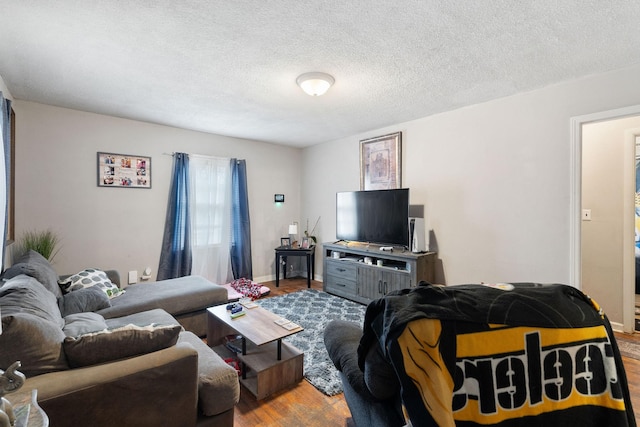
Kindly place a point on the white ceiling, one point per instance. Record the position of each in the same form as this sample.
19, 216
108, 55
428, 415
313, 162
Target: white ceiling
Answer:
229, 67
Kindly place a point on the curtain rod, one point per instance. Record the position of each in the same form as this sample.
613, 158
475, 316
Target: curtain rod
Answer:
208, 156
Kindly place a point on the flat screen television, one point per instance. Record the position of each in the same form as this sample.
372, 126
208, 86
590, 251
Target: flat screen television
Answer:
377, 216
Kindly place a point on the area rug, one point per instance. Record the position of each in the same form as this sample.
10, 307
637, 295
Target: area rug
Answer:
313, 309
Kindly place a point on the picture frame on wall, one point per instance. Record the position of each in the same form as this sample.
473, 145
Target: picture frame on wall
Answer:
124, 170
381, 162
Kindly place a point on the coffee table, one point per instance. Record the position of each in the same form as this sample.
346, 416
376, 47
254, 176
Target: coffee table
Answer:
268, 364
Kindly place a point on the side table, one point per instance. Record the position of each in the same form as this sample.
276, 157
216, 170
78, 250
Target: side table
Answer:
282, 252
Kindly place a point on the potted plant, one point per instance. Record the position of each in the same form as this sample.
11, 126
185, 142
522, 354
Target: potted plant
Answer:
44, 242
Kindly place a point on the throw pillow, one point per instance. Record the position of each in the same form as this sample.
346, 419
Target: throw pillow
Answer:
90, 277
113, 344
83, 300
35, 265
35, 342
31, 327
24, 294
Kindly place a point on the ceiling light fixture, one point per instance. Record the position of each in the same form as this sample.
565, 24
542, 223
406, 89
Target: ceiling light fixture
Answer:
315, 84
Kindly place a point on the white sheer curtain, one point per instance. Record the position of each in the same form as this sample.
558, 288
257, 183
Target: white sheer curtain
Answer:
210, 184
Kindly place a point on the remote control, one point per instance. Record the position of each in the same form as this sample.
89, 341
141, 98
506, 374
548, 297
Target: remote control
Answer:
236, 309
238, 314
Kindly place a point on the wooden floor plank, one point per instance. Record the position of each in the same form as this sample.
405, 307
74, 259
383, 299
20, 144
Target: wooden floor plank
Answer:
303, 404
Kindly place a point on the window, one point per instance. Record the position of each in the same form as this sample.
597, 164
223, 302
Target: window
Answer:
210, 184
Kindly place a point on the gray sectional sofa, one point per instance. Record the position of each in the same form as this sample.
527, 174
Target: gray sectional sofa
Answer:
136, 359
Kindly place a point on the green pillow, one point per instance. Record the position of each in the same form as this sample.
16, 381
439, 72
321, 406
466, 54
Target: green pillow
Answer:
90, 277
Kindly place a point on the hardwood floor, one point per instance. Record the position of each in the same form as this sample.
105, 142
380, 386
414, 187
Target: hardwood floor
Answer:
304, 405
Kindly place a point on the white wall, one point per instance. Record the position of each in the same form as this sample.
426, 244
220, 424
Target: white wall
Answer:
494, 178
56, 187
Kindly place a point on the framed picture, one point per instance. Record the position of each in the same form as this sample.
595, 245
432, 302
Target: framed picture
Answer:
124, 170
380, 162
285, 242
305, 243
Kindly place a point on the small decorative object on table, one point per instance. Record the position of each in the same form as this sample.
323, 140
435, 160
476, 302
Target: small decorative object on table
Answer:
10, 381
310, 234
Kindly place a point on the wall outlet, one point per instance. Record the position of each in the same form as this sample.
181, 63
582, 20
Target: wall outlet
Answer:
133, 277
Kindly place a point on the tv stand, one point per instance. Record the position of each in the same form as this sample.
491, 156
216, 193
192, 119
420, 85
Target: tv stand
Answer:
363, 272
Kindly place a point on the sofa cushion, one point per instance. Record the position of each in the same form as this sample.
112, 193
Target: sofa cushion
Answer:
31, 327
34, 341
35, 265
83, 323
218, 385
24, 294
83, 300
379, 376
113, 344
90, 277
176, 296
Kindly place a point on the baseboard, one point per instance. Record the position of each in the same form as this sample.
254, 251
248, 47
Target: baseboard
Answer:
617, 327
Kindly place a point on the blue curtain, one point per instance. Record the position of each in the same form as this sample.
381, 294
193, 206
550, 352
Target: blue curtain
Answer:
175, 257
241, 226
5, 125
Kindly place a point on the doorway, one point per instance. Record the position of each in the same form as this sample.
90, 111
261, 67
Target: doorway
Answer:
602, 202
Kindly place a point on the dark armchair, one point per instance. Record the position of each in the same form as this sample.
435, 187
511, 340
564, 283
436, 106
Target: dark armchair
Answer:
476, 355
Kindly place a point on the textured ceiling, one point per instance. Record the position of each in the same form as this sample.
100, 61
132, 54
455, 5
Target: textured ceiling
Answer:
229, 67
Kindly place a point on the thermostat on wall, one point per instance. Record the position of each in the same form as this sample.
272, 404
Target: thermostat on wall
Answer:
278, 198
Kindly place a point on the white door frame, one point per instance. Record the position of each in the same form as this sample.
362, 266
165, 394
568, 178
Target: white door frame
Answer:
575, 202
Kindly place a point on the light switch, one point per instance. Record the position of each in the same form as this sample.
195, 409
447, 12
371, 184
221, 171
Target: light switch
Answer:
133, 277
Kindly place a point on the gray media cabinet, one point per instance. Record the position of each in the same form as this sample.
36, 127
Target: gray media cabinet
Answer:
363, 272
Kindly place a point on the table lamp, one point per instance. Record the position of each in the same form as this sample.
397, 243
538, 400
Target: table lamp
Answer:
293, 232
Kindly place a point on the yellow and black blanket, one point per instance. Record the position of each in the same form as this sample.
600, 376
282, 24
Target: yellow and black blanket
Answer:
500, 355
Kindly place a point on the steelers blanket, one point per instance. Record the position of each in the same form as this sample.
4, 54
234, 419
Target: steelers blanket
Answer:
508, 355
